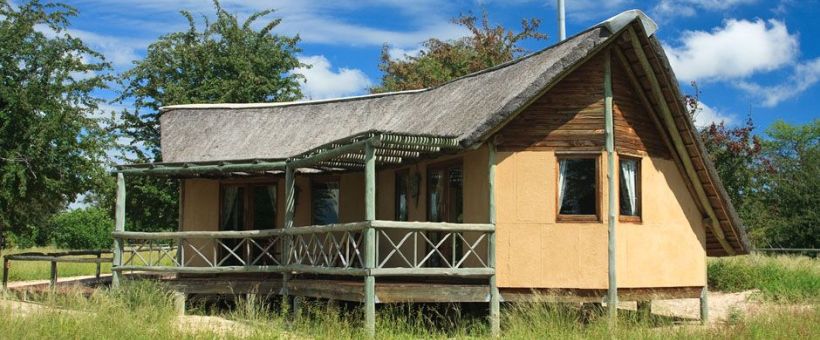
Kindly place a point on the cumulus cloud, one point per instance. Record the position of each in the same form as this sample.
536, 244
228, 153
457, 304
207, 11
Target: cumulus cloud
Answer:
673, 8
322, 81
708, 115
738, 49
804, 75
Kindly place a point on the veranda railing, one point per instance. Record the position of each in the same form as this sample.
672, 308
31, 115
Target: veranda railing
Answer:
399, 249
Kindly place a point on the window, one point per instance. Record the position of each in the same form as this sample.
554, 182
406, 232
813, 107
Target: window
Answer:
402, 192
324, 202
578, 188
445, 203
246, 206
630, 189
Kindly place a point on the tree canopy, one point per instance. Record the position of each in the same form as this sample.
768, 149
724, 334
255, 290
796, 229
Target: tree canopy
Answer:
51, 145
440, 61
227, 61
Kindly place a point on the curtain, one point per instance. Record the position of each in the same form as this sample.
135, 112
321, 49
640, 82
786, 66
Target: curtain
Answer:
272, 195
228, 207
562, 183
629, 174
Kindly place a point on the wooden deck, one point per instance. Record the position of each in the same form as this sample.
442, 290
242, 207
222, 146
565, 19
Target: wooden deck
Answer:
413, 292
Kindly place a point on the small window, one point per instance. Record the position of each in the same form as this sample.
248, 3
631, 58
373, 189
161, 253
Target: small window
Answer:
578, 189
324, 202
630, 189
402, 189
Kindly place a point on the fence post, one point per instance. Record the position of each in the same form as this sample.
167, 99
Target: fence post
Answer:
99, 264
118, 226
6, 267
53, 282
287, 239
370, 239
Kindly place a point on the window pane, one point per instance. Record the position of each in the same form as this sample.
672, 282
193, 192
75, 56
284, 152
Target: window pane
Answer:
325, 202
402, 184
629, 187
577, 187
435, 195
264, 207
455, 204
233, 208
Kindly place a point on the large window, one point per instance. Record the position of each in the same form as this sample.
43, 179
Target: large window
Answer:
445, 203
324, 202
578, 188
246, 206
630, 189
402, 192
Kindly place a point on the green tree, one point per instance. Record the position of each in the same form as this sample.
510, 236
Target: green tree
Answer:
225, 62
794, 188
88, 228
440, 61
51, 146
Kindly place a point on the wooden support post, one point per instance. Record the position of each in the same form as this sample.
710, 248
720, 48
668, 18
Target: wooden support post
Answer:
99, 265
612, 291
495, 303
370, 240
290, 205
6, 268
119, 225
645, 309
704, 305
179, 302
53, 278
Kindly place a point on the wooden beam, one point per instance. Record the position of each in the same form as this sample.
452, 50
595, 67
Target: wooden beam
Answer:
169, 170
612, 291
423, 272
370, 239
704, 305
290, 209
669, 122
119, 226
495, 300
433, 226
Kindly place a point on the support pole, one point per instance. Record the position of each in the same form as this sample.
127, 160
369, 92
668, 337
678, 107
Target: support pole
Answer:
99, 265
612, 291
704, 305
562, 25
370, 239
53, 278
495, 303
290, 204
6, 268
179, 303
119, 225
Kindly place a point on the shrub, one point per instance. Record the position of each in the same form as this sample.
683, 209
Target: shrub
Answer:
88, 228
779, 278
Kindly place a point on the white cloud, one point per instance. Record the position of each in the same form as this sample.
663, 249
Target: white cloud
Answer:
688, 8
402, 53
707, 115
803, 77
323, 82
738, 49
120, 52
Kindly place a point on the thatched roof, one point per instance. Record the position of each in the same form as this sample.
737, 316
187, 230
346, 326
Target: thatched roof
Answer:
465, 111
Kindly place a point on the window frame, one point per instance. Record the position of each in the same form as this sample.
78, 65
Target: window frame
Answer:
247, 209
638, 188
443, 165
396, 209
324, 179
566, 218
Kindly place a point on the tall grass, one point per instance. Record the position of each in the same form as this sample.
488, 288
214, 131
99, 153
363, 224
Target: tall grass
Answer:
780, 278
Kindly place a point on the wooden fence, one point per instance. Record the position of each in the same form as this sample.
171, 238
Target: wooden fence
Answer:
58, 257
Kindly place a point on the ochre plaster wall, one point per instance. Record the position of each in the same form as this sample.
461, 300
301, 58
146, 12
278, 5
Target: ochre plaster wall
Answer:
200, 207
664, 250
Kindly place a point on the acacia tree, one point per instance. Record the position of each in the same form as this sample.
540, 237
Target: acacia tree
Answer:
225, 62
51, 147
440, 61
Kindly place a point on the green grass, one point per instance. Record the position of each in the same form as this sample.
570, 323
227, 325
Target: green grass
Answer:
143, 310
779, 278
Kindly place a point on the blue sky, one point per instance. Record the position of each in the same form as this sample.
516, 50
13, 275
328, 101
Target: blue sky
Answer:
752, 56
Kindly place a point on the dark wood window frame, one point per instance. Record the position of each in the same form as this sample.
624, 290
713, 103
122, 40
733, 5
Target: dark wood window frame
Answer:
566, 218
247, 210
324, 179
638, 188
396, 205
439, 166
